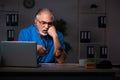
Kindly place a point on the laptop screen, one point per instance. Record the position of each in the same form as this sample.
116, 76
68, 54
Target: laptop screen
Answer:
19, 53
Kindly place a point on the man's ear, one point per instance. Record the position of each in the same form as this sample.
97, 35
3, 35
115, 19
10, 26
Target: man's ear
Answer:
35, 21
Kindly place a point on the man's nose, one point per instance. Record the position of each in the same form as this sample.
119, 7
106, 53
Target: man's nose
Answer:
46, 25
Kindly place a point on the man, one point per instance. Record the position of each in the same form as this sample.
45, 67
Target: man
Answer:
50, 42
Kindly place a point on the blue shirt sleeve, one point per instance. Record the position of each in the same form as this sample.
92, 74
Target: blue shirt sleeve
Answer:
61, 38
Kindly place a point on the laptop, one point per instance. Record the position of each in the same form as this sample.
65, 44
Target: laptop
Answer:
19, 53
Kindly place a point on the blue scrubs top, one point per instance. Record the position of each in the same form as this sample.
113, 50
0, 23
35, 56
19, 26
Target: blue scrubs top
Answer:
31, 34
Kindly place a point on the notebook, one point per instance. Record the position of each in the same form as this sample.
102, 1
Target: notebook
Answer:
19, 53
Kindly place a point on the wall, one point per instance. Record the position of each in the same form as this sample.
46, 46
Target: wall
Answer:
113, 31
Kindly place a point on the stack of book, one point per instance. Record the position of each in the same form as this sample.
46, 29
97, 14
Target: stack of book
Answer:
90, 51
12, 19
102, 21
103, 51
10, 34
85, 36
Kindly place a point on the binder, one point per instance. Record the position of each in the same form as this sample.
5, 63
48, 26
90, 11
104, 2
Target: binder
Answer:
85, 36
90, 51
102, 21
8, 19
16, 19
103, 51
12, 19
10, 34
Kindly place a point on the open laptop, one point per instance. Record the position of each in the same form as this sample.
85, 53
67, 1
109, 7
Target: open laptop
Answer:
19, 53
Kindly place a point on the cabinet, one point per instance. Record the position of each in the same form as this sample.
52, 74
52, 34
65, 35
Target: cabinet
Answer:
92, 29
9, 20
8, 24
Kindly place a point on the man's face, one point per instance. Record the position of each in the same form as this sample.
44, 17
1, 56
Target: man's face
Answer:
43, 22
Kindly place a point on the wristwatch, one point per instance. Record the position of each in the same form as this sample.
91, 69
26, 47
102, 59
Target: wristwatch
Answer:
58, 53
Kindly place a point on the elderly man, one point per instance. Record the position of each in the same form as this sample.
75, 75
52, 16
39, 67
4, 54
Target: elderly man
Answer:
50, 42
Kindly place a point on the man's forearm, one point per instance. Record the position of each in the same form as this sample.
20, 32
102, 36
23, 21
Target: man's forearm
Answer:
58, 45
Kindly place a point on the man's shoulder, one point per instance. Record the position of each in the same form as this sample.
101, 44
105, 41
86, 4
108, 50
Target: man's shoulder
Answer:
59, 33
29, 28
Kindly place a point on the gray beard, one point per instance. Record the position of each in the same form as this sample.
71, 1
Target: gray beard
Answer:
43, 34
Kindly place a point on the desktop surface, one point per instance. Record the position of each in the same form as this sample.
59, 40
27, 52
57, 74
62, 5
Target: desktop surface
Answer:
55, 67
55, 71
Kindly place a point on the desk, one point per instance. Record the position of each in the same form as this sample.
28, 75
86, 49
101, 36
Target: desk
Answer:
55, 71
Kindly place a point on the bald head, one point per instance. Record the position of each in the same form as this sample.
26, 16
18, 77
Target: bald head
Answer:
44, 11
43, 20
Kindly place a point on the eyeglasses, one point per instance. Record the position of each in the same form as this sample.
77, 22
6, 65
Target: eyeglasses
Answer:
44, 23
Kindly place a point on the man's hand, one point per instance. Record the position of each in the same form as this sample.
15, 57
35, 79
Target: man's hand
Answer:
41, 50
60, 58
52, 31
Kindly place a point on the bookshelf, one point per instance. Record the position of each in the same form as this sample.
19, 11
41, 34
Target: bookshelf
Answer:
92, 29
9, 21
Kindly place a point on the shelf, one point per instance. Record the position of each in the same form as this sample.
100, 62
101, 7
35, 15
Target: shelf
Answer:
92, 13
9, 11
92, 20
91, 43
9, 22
9, 18
85, 6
